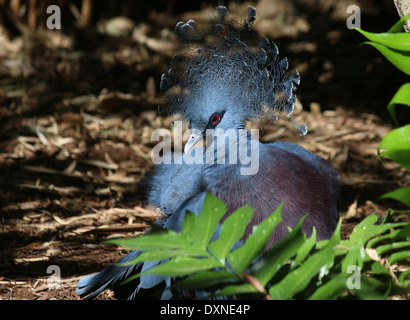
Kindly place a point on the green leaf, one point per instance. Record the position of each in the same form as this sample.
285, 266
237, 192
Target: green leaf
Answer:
398, 26
398, 41
188, 224
205, 224
372, 289
151, 256
392, 246
397, 145
390, 236
154, 241
232, 229
377, 268
362, 233
404, 233
399, 256
298, 279
331, 290
306, 248
402, 195
241, 258
157, 255
236, 289
321, 244
404, 275
266, 267
402, 96
356, 256
399, 59
206, 279
181, 266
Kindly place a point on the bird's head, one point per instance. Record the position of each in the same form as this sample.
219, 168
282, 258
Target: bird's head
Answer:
228, 80
213, 112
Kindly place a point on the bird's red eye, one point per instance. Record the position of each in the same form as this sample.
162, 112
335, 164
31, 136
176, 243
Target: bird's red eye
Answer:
215, 119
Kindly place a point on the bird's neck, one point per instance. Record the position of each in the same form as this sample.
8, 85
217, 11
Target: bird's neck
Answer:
232, 153
234, 181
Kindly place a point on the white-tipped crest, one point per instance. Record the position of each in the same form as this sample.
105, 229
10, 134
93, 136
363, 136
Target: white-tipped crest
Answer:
230, 71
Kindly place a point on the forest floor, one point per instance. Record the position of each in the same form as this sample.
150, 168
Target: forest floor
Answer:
77, 111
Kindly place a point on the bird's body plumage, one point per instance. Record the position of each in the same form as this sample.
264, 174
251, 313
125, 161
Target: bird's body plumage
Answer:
288, 173
221, 87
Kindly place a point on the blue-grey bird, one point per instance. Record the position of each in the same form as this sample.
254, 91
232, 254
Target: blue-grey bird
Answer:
215, 89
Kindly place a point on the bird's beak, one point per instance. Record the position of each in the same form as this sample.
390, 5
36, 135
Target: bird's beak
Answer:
192, 141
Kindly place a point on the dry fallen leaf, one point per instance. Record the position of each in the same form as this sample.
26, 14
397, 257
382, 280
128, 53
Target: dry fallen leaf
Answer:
372, 253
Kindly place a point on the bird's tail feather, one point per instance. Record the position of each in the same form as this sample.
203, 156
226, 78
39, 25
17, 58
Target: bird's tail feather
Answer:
111, 278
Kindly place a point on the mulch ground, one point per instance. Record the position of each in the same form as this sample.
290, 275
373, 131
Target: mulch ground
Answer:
76, 116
